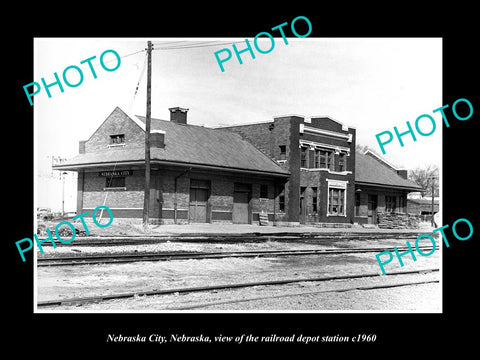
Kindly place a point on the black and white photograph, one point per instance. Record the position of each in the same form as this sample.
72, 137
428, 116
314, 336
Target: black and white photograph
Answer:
268, 187
192, 181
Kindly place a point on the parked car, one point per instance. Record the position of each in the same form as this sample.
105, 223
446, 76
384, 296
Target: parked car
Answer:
44, 213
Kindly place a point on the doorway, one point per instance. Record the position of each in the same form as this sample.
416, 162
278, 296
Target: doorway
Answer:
241, 201
199, 193
372, 209
303, 205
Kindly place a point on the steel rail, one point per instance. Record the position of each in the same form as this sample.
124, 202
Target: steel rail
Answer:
235, 301
233, 237
71, 301
125, 258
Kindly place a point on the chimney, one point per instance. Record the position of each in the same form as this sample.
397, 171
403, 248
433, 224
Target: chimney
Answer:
81, 146
157, 139
178, 115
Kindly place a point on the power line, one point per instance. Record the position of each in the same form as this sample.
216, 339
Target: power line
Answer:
190, 46
124, 56
136, 52
138, 83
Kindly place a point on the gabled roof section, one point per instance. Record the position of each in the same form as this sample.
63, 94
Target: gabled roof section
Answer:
187, 145
371, 170
119, 112
202, 145
381, 160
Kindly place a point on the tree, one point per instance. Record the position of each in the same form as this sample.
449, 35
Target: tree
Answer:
362, 148
423, 176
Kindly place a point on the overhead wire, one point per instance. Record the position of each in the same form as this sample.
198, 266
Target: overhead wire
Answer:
190, 46
133, 99
138, 83
124, 56
163, 46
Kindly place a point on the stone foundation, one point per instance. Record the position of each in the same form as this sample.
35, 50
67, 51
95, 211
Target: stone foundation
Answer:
391, 220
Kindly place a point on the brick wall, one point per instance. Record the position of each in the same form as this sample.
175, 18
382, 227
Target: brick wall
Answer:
128, 202
115, 124
124, 202
257, 134
288, 129
285, 130
268, 137
317, 178
94, 193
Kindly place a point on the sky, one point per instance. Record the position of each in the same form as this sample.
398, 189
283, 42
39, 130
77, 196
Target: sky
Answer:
371, 84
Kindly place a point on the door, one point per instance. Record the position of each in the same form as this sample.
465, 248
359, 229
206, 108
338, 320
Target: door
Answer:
198, 205
240, 207
303, 205
372, 209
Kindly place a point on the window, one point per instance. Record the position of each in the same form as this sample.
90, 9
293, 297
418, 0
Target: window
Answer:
302, 199
303, 157
283, 152
314, 200
117, 139
199, 184
316, 161
390, 203
281, 203
401, 204
264, 191
326, 159
336, 201
115, 182
342, 162
281, 200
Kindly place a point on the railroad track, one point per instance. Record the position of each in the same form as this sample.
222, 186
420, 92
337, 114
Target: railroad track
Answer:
257, 298
126, 258
100, 298
235, 238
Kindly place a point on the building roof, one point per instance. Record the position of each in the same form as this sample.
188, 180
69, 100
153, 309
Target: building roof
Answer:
424, 201
370, 171
187, 145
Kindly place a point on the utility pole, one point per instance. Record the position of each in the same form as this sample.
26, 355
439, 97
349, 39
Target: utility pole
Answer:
433, 199
146, 200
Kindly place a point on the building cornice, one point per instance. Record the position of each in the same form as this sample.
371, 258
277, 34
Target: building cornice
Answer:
315, 144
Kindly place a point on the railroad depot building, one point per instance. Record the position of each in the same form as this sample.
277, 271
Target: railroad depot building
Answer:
380, 187
291, 170
198, 174
329, 183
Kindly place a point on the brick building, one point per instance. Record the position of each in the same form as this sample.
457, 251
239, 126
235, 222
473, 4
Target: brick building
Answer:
319, 153
380, 187
292, 170
329, 183
423, 207
198, 174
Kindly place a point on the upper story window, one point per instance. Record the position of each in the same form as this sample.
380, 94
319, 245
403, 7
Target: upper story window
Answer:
342, 162
324, 159
303, 157
117, 139
283, 152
